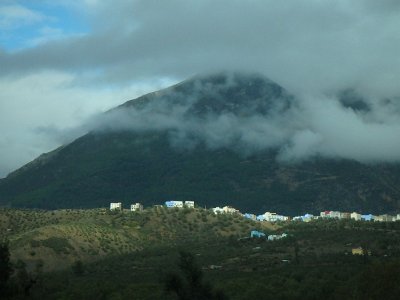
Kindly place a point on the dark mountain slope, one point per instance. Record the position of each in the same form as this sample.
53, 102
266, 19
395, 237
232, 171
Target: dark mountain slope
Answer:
130, 165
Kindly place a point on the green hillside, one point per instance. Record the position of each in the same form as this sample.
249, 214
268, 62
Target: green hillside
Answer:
58, 238
82, 254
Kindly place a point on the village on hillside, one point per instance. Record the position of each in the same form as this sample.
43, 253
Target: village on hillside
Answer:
270, 216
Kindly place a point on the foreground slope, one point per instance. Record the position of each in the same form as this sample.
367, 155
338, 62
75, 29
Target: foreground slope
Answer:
97, 254
55, 239
136, 154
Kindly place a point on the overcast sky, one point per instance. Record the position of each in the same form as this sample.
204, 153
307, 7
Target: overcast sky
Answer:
62, 61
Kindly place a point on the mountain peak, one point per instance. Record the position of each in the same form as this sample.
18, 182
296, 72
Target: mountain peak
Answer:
223, 92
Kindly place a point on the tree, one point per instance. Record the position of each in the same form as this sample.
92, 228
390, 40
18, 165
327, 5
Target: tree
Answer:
24, 280
77, 268
189, 284
296, 252
5, 266
379, 281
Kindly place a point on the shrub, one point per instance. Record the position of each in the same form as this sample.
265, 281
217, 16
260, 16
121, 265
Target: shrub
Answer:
59, 245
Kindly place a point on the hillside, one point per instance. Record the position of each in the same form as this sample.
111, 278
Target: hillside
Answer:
126, 255
58, 238
173, 144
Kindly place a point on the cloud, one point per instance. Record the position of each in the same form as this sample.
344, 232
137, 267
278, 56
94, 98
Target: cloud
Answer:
309, 127
314, 49
332, 130
14, 15
42, 111
316, 46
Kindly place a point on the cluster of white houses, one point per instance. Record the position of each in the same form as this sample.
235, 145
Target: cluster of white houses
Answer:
118, 206
139, 206
331, 214
179, 204
272, 217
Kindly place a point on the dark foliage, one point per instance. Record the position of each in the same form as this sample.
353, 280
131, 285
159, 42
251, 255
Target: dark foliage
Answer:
24, 281
78, 268
380, 281
188, 284
5, 267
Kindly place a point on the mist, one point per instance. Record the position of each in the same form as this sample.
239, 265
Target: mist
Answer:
309, 127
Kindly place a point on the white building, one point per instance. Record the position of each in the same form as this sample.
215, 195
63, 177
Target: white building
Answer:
272, 217
136, 207
115, 206
274, 237
345, 215
225, 210
230, 210
305, 218
218, 210
325, 214
330, 214
189, 204
355, 216
335, 214
173, 203
250, 216
385, 218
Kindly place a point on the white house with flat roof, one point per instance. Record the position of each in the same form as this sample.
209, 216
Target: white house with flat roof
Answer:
272, 217
330, 214
355, 216
136, 207
115, 206
189, 204
173, 203
217, 210
225, 210
230, 210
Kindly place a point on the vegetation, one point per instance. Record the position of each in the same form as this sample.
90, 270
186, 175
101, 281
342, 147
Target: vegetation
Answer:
62, 237
5, 267
179, 253
189, 285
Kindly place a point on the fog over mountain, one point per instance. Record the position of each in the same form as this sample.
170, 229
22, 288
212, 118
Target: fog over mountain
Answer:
221, 137
346, 126
314, 49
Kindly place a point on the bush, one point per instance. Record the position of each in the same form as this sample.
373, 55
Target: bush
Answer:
77, 268
59, 245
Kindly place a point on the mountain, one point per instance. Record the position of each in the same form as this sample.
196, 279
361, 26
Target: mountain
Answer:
198, 141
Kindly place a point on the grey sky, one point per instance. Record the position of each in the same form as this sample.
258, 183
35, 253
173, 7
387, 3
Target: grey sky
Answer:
312, 48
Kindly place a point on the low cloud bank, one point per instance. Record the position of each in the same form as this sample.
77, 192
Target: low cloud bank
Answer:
310, 126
